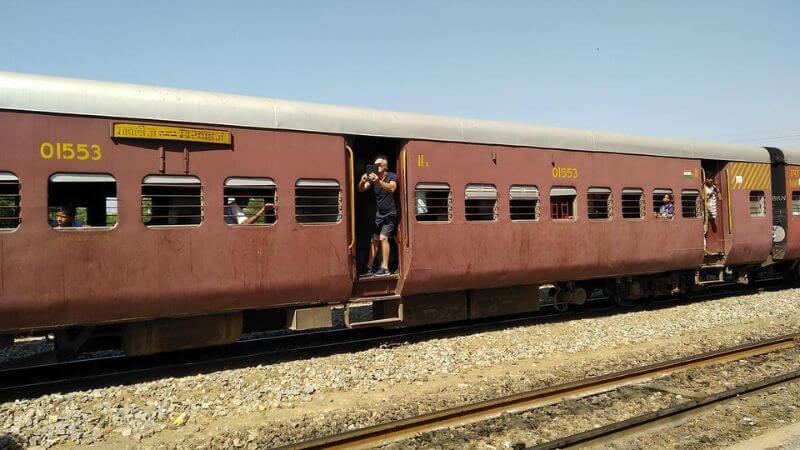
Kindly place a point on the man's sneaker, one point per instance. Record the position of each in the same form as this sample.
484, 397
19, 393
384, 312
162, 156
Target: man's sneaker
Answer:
382, 273
367, 273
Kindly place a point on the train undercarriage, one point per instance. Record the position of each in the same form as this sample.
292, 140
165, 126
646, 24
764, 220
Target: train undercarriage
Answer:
392, 311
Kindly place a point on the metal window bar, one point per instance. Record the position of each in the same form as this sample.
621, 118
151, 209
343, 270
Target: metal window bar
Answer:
758, 206
523, 203
598, 203
172, 204
9, 203
480, 202
433, 203
632, 204
658, 196
689, 204
562, 207
318, 201
257, 197
796, 203
480, 209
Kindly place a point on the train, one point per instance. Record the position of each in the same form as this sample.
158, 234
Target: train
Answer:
489, 214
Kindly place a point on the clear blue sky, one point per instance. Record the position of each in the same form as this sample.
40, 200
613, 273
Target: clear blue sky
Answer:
727, 71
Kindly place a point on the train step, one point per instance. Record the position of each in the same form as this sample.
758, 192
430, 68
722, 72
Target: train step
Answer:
710, 275
387, 310
375, 286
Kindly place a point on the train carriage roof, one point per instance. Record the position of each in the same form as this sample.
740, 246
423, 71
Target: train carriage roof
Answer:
791, 155
104, 99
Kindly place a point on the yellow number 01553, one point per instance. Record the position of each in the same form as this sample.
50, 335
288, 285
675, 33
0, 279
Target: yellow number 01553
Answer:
67, 150
565, 172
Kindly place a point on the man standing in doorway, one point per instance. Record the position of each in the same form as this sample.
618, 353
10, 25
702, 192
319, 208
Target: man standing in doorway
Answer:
383, 184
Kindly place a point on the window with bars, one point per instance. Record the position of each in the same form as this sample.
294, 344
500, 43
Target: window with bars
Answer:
480, 202
663, 203
169, 200
796, 203
524, 203
562, 203
433, 202
77, 200
598, 203
9, 201
758, 204
250, 201
317, 201
690, 203
632, 203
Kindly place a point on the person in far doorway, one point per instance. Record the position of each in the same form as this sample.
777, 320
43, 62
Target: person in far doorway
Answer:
667, 210
713, 197
234, 211
383, 184
65, 218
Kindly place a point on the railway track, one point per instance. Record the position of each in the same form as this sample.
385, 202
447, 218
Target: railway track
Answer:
462, 415
90, 373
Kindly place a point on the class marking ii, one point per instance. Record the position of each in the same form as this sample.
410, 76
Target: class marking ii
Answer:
158, 132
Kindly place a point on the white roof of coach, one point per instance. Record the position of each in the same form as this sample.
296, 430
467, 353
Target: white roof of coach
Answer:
791, 155
95, 98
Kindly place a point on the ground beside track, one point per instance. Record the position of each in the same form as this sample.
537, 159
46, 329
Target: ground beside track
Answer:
271, 405
717, 427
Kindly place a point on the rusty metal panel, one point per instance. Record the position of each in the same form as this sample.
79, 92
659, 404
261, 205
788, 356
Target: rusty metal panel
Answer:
167, 335
473, 255
435, 308
132, 273
503, 301
309, 318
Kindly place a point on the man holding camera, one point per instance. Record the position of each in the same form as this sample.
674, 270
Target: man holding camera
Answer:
383, 184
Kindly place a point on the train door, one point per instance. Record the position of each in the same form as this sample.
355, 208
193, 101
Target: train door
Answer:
368, 281
714, 208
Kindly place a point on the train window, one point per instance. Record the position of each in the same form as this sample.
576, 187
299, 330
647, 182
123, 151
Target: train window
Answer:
562, 203
523, 203
658, 203
632, 203
433, 202
317, 201
76, 200
249, 201
598, 203
480, 202
758, 204
690, 203
170, 200
796, 203
9, 201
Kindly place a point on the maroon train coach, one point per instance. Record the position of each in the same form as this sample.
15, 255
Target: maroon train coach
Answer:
488, 214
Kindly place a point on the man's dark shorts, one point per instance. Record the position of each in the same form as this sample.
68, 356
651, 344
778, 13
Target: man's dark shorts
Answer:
385, 225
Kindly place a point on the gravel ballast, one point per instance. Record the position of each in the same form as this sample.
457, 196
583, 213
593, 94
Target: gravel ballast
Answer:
289, 401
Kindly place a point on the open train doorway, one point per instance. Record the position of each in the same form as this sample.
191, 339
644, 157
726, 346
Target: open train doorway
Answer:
714, 209
369, 221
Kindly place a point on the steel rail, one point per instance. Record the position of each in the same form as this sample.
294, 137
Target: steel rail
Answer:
481, 411
640, 423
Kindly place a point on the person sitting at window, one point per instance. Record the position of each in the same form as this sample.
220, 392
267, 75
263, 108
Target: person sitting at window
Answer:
65, 218
667, 209
234, 214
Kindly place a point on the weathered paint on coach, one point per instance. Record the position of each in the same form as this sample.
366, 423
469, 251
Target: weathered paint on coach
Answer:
749, 240
464, 254
58, 277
